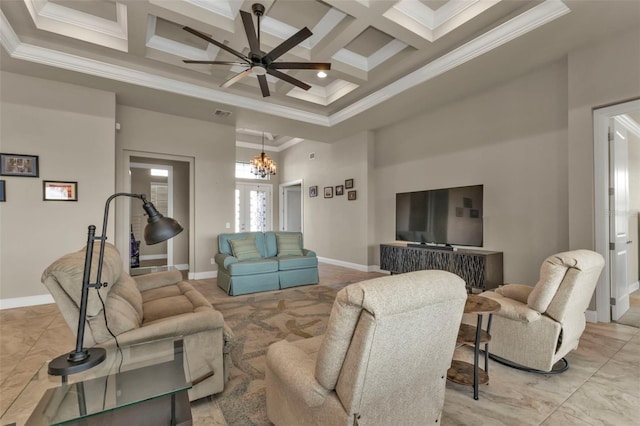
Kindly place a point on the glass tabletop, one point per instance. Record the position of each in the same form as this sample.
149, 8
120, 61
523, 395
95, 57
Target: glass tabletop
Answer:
143, 270
128, 376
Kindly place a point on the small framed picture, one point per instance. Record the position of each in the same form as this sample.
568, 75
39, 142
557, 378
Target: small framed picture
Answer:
313, 191
348, 183
474, 213
59, 191
328, 192
339, 190
351, 195
19, 165
3, 191
459, 211
467, 202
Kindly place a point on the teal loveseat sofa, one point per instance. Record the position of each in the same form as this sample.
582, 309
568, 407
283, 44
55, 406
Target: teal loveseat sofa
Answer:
249, 262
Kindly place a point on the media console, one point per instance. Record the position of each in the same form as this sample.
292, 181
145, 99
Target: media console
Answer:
480, 269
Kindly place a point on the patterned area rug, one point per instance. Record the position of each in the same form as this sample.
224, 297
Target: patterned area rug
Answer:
258, 320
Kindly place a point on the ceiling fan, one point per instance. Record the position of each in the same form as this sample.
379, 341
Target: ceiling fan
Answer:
259, 63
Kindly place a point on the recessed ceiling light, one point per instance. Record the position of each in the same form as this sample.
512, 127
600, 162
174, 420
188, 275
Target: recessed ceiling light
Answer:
322, 74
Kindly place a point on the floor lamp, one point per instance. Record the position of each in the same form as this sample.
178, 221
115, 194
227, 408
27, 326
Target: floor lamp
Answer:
158, 229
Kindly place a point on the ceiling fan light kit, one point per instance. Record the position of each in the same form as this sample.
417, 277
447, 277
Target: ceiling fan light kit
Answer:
258, 63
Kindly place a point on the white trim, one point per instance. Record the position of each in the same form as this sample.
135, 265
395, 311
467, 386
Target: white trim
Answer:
282, 214
634, 286
356, 266
516, 27
21, 302
182, 267
203, 275
153, 257
601, 199
629, 123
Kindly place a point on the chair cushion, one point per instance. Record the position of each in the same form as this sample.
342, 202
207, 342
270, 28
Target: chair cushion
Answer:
552, 273
69, 270
286, 263
245, 248
512, 309
289, 244
519, 292
172, 300
255, 266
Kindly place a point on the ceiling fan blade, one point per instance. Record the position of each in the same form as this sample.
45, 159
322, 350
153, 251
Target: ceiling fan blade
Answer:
254, 44
288, 79
318, 66
189, 61
236, 78
263, 85
287, 45
217, 43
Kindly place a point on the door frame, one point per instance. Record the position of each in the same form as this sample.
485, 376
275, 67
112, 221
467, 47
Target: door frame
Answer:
123, 210
259, 184
601, 118
282, 186
149, 166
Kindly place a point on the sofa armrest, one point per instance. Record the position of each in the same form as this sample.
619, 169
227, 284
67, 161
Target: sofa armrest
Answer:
296, 368
179, 325
512, 309
224, 260
157, 279
308, 253
519, 292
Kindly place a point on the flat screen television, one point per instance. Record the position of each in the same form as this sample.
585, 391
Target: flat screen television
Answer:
449, 216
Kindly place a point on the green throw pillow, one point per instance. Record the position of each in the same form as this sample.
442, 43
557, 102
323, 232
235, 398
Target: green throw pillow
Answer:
289, 245
245, 248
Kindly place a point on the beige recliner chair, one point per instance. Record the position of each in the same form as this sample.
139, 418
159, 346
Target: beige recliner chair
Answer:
537, 326
141, 309
383, 359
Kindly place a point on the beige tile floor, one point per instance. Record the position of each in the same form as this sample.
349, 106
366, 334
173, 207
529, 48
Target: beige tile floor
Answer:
602, 386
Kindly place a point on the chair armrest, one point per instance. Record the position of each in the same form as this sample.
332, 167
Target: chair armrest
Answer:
224, 260
179, 325
157, 279
308, 253
296, 368
512, 309
519, 292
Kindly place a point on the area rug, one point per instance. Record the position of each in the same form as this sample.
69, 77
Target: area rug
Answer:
257, 321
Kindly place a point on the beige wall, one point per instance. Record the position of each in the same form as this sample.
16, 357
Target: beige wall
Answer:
212, 148
335, 228
71, 129
512, 140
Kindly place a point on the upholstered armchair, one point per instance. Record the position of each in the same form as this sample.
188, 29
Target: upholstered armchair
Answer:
144, 308
537, 326
382, 360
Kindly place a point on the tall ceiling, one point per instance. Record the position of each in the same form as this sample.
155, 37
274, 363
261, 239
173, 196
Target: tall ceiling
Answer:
389, 58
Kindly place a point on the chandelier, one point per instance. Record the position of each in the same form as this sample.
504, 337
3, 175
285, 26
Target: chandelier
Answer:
262, 165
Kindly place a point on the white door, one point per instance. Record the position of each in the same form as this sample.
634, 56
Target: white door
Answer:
253, 207
292, 208
619, 217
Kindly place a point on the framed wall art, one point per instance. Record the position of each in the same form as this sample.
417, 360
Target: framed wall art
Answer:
351, 195
313, 191
348, 183
328, 192
339, 190
19, 165
59, 191
3, 191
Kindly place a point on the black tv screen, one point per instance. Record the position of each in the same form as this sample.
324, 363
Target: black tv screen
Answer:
441, 216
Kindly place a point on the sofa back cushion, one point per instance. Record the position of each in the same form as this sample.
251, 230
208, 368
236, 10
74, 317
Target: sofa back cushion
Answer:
271, 241
245, 248
289, 244
224, 245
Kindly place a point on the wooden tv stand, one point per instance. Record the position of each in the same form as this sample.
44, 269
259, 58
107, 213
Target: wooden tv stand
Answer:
480, 269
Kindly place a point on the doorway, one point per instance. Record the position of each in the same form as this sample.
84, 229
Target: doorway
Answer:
167, 182
291, 206
617, 202
254, 207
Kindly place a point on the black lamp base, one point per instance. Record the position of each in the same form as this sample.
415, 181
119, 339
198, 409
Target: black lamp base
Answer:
63, 366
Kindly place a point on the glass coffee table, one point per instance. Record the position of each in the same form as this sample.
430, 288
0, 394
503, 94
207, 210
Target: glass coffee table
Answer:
142, 384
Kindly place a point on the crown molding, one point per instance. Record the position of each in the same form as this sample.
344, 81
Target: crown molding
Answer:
510, 30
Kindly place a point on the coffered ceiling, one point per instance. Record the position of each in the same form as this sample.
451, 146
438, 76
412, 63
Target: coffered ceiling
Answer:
382, 52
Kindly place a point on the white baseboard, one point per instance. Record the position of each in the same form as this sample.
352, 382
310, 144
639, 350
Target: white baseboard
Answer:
591, 316
356, 266
634, 286
203, 275
21, 302
153, 256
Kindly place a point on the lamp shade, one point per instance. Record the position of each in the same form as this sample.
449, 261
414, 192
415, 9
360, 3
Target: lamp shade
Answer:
159, 228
